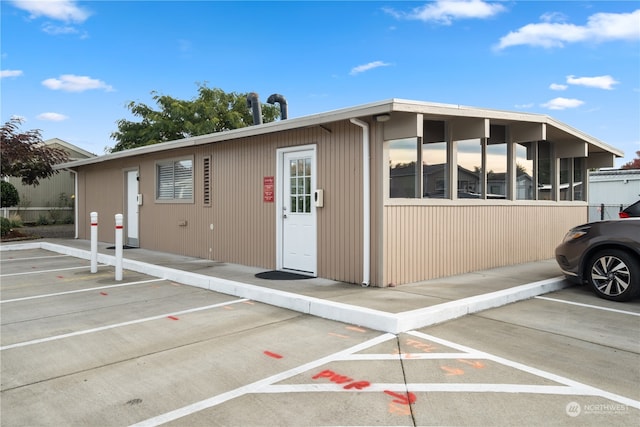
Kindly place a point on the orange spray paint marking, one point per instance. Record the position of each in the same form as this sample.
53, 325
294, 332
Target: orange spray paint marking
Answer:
226, 307
452, 371
400, 410
476, 364
104, 294
401, 398
172, 317
274, 355
338, 335
248, 302
356, 329
60, 277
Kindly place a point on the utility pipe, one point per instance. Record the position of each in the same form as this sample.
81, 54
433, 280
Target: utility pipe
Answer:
366, 203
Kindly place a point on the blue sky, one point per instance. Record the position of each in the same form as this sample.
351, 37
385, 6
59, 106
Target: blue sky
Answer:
69, 68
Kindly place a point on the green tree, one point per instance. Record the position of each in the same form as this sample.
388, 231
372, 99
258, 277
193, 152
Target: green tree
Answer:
212, 111
8, 195
24, 155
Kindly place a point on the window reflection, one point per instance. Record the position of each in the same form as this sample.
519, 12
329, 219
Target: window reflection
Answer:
544, 171
470, 169
403, 158
578, 178
565, 179
435, 173
497, 170
524, 171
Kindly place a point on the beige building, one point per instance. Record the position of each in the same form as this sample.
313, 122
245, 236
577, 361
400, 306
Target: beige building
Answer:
51, 201
390, 192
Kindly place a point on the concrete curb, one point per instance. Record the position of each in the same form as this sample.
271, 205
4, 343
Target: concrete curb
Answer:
346, 313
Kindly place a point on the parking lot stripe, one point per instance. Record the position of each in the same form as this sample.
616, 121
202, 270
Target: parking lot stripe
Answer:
35, 257
79, 290
259, 385
589, 306
117, 325
575, 385
41, 271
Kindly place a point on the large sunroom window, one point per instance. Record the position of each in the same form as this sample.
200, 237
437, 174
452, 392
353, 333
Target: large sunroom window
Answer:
420, 169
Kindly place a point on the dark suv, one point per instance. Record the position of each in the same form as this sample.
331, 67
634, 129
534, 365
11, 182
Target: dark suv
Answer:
604, 254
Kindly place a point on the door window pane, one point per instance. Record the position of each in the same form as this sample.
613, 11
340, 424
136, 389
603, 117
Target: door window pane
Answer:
300, 185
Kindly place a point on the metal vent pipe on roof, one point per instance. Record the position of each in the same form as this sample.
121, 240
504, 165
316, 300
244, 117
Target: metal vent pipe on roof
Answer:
276, 97
256, 109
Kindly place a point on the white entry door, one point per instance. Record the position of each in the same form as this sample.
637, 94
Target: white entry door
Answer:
132, 209
298, 227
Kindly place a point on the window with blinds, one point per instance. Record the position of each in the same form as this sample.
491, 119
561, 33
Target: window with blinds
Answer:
174, 179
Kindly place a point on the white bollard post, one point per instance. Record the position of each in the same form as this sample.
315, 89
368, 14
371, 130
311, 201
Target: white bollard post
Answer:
118, 247
94, 242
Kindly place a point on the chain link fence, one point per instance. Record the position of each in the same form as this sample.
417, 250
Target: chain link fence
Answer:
601, 212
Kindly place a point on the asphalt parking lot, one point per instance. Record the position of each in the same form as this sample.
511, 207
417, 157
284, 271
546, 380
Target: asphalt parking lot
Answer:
80, 349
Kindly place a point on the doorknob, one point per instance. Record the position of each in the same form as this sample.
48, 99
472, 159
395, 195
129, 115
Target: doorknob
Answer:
284, 215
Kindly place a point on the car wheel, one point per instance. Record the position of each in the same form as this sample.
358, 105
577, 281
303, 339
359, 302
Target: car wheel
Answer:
614, 275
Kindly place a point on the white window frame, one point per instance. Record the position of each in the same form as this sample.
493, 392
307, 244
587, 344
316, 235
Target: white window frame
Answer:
172, 162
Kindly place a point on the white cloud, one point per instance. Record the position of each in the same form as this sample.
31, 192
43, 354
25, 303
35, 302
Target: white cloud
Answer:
73, 83
599, 82
556, 86
600, 27
57, 29
446, 11
562, 103
59, 10
366, 67
52, 117
10, 73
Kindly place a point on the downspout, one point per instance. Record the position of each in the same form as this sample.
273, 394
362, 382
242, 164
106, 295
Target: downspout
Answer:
366, 204
75, 200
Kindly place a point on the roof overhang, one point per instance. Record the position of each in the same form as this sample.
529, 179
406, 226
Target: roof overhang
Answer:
550, 128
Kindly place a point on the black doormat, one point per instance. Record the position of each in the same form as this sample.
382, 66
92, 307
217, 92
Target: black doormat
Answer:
123, 247
281, 275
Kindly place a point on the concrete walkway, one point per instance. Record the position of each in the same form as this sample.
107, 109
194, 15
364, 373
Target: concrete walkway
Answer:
393, 310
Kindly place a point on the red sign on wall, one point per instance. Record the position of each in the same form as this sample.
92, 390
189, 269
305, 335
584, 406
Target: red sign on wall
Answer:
267, 189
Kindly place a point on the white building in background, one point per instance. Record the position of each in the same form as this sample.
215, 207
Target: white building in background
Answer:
612, 190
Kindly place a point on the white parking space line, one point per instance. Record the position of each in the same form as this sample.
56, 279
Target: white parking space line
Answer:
576, 387
26, 273
35, 257
631, 313
259, 385
428, 387
118, 325
80, 290
413, 356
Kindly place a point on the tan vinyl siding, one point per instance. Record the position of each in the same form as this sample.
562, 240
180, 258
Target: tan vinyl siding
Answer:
244, 226
425, 242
